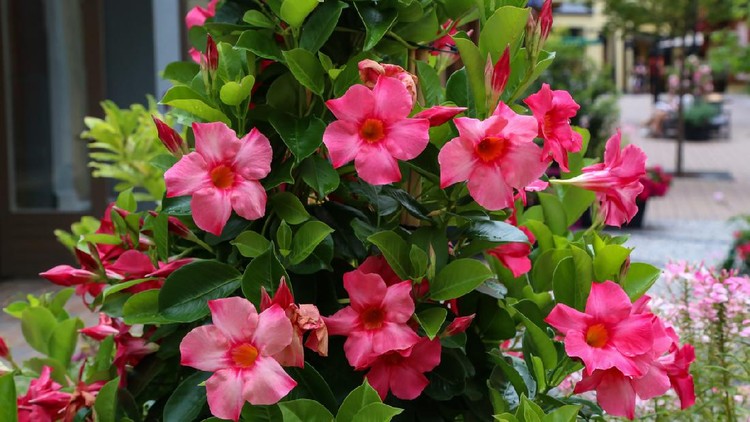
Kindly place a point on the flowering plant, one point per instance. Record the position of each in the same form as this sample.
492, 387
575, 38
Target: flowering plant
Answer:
656, 183
343, 234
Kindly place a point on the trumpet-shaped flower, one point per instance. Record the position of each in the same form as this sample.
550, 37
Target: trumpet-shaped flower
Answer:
515, 255
438, 115
553, 110
374, 130
616, 181
494, 155
43, 402
222, 175
402, 371
375, 323
238, 348
607, 335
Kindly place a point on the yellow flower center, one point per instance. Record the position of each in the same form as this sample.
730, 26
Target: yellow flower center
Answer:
596, 336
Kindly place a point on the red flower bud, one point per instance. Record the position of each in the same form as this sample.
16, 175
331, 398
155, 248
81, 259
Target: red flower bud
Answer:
170, 138
459, 325
4, 351
545, 18
212, 54
501, 72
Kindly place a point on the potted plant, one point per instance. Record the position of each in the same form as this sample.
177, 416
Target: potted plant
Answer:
656, 182
698, 120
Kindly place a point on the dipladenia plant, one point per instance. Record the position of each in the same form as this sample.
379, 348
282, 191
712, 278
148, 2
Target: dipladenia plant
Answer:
358, 225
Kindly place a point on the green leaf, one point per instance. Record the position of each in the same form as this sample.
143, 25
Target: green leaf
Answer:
257, 19
38, 324
105, 406
251, 244
457, 89
306, 68
186, 292
496, 231
289, 208
263, 271
320, 175
542, 234
8, 406
301, 136
304, 410
608, 262
506, 26
160, 228
431, 320
321, 24
377, 21
314, 385
376, 412
294, 12
64, 339
423, 30
407, 201
566, 413
181, 72
571, 280
187, 99
143, 308
429, 83
126, 200
356, 400
187, 400
511, 374
640, 278
474, 64
459, 278
543, 347
307, 239
529, 411
284, 238
554, 214
419, 262
258, 43
395, 250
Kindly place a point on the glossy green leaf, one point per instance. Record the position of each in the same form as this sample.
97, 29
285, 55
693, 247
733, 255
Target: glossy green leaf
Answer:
294, 12
186, 292
639, 279
105, 406
608, 262
457, 89
181, 72
251, 244
571, 280
506, 26
258, 43
429, 84
459, 278
419, 262
126, 200
431, 320
474, 64
554, 214
543, 346
377, 21
510, 373
321, 24
565, 413
187, 99
542, 234
306, 68
143, 308
395, 250
421, 31
8, 407
289, 208
304, 410
38, 324
284, 238
320, 175
376, 412
575, 202
187, 400
257, 19
263, 271
64, 339
356, 400
306, 239
314, 385
302, 136
496, 231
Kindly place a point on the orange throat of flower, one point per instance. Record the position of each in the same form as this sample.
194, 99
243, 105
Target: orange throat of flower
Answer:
597, 336
372, 318
372, 131
244, 355
491, 148
222, 177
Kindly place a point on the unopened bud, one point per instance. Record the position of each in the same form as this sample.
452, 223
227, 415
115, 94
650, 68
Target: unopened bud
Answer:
170, 138
212, 54
545, 19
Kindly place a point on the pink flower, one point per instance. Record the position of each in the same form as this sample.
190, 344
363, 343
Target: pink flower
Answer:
375, 323
304, 318
375, 131
238, 348
515, 255
197, 16
402, 371
445, 44
607, 335
370, 71
677, 366
222, 175
553, 110
44, 401
84, 396
494, 156
438, 115
104, 329
377, 264
616, 181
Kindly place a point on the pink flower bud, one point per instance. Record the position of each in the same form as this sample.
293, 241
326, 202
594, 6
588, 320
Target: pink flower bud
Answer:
459, 325
438, 115
545, 18
212, 54
4, 351
170, 138
501, 72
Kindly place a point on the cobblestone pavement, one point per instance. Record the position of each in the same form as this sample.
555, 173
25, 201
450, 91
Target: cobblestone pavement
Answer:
689, 223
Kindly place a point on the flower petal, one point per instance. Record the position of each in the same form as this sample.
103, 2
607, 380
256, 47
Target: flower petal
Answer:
358, 349
457, 160
343, 142
216, 142
266, 382
608, 302
274, 331
407, 383
249, 199
236, 317
379, 378
392, 336
634, 335
211, 209
342, 321
652, 384
398, 303
392, 99
357, 102
616, 395
225, 395
187, 176
365, 290
376, 166
407, 138
523, 164
253, 160
425, 355
205, 348
564, 319
488, 187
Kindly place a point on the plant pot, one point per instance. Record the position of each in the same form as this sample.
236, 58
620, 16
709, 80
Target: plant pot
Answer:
697, 132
